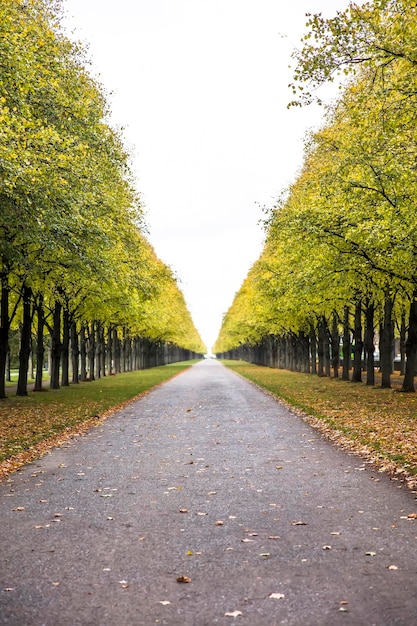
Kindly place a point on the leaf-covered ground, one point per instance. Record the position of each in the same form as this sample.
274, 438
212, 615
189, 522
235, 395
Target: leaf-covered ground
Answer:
31, 425
378, 423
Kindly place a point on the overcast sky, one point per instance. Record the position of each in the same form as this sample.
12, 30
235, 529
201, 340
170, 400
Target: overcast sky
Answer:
200, 87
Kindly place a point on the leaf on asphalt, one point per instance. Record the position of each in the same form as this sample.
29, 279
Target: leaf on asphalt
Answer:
278, 467
247, 540
233, 614
265, 555
190, 553
335, 533
274, 537
298, 523
9, 588
412, 516
183, 579
124, 584
19, 508
183, 511
370, 553
201, 513
219, 522
164, 602
106, 495
277, 596
212, 493
393, 567
327, 547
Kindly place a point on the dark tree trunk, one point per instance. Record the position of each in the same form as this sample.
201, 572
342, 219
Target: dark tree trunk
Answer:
65, 348
83, 355
40, 350
403, 339
25, 337
358, 349
347, 346
91, 351
411, 348
313, 350
56, 347
4, 332
75, 353
369, 343
386, 342
335, 346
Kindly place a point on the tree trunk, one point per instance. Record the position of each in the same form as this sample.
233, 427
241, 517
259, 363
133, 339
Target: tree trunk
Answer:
386, 343
56, 347
25, 336
403, 339
83, 355
91, 350
75, 353
369, 343
4, 332
40, 350
313, 350
411, 348
65, 348
357, 337
347, 346
335, 346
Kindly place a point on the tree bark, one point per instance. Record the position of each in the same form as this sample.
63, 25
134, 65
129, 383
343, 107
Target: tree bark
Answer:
4, 331
411, 348
56, 347
83, 355
75, 353
369, 343
25, 337
40, 350
65, 348
335, 340
386, 343
347, 346
358, 349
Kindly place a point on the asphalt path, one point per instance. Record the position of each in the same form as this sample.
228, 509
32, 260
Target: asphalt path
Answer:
206, 479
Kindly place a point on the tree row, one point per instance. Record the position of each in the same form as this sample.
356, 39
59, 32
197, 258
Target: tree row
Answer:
74, 263
335, 288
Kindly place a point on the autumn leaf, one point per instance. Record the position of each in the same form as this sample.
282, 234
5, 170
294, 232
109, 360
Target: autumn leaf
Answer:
233, 614
183, 579
277, 596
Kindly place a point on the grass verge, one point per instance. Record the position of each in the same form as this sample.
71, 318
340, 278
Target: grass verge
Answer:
31, 425
379, 424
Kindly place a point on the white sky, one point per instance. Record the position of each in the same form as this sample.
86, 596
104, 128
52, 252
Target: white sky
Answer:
200, 87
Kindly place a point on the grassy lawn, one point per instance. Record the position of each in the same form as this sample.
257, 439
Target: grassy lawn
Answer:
379, 423
31, 425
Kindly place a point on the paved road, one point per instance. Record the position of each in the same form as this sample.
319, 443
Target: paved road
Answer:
208, 478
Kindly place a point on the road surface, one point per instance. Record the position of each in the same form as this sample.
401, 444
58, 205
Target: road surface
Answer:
209, 480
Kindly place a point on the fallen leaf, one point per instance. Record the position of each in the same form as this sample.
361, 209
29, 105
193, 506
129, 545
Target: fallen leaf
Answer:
393, 567
200, 513
219, 522
298, 524
164, 602
327, 547
212, 493
19, 508
183, 579
233, 614
274, 537
183, 510
412, 516
370, 553
277, 596
190, 553
247, 540
265, 555
278, 467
